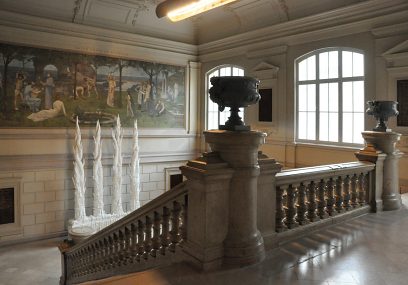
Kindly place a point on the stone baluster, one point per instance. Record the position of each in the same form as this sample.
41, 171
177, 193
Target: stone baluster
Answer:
140, 239
330, 197
135, 249
128, 245
184, 215
165, 235
301, 205
311, 203
321, 202
362, 187
346, 192
290, 209
156, 234
148, 237
116, 246
175, 226
280, 212
121, 247
353, 199
339, 195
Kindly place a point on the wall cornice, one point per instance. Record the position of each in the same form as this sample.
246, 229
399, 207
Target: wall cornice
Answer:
353, 19
47, 33
10, 163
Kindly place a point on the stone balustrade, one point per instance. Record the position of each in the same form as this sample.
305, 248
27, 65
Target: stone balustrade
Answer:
138, 240
306, 195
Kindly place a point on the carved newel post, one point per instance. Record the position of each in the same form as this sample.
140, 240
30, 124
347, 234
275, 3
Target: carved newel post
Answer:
384, 140
238, 146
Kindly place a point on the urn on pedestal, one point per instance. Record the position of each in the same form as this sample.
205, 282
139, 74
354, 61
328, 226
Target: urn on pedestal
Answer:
382, 110
234, 92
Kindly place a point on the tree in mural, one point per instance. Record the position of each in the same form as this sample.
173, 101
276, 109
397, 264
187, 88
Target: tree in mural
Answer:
153, 70
8, 54
121, 65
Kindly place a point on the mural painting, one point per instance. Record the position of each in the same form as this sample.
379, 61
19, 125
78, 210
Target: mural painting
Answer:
48, 88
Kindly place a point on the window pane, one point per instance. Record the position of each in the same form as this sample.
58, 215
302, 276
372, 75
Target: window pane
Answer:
333, 97
311, 97
235, 71
358, 64
333, 64
347, 97
224, 116
324, 65
358, 127
311, 126
302, 66
302, 125
347, 63
324, 126
302, 98
347, 127
358, 96
311, 68
324, 97
333, 127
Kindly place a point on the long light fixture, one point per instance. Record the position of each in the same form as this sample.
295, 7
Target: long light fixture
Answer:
177, 10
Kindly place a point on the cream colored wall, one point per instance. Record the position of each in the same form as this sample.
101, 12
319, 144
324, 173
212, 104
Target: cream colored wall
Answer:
282, 50
41, 159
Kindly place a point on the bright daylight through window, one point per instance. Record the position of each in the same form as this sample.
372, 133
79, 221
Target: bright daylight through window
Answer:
214, 117
330, 96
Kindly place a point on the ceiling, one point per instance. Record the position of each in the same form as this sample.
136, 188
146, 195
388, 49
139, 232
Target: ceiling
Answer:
138, 16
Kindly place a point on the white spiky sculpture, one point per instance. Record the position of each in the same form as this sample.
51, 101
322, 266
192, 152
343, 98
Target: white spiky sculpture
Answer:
135, 171
117, 136
98, 174
79, 176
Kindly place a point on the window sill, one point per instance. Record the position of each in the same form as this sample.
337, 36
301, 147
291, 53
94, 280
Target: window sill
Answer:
351, 148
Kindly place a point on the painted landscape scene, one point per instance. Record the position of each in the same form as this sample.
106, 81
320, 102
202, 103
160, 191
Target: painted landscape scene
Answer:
48, 88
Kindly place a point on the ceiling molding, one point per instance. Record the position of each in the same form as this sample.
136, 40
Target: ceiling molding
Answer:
390, 30
363, 16
24, 29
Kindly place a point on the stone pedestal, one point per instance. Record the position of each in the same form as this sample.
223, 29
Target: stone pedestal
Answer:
385, 142
244, 243
208, 180
266, 211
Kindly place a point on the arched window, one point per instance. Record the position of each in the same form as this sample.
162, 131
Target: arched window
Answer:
330, 96
214, 117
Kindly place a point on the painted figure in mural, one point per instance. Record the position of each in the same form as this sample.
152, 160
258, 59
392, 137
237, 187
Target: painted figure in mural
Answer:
18, 91
144, 95
129, 107
49, 91
159, 108
91, 85
111, 91
31, 99
176, 91
58, 108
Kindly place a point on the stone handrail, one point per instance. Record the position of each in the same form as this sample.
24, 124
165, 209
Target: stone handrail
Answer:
136, 242
305, 195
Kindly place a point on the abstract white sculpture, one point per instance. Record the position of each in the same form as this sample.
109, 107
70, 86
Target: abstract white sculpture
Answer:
98, 174
83, 226
117, 136
79, 176
135, 171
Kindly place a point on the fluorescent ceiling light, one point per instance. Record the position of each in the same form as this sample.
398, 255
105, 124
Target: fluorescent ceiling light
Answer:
178, 10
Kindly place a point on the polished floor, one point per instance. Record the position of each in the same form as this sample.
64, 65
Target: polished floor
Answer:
369, 250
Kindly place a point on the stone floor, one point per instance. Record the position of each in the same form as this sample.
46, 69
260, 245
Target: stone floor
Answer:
369, 250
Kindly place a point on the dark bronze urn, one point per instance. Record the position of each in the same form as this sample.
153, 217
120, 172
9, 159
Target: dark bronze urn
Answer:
382, 110
234, 92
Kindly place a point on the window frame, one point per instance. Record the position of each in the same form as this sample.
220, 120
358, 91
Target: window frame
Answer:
207, 89
340, 80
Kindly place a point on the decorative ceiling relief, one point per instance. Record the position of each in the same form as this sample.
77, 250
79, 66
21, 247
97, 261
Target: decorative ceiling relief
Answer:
77, 7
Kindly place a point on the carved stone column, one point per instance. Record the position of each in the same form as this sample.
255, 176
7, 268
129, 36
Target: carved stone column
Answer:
208, 181
244, 243
385, 142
